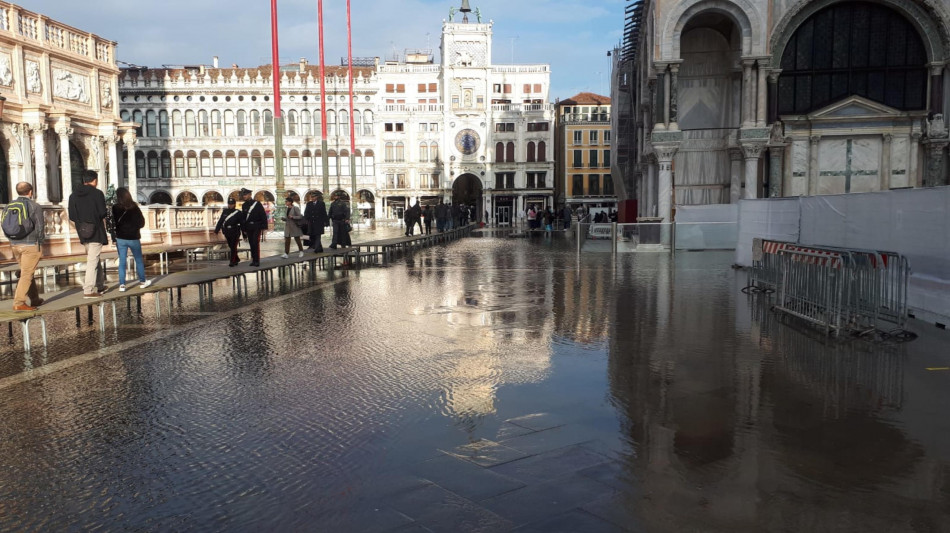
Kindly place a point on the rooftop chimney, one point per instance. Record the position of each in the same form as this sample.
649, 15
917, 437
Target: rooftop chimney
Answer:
303, 64
214, 62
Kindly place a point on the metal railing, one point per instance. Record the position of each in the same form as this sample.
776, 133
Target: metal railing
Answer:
834, 288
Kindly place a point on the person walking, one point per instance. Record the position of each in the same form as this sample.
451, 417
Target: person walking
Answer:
292, 227
27, 250
87, 210
129, 222
231, 223
317, 219
427, 219
411, 217
255, 222
340, 218
566, 217
441, 215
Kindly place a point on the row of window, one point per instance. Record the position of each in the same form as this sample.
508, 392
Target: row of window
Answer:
593, 136
422, 88
505, 153
593, 159
533, 180
593, 185
501, 127
425, 181
242, 123
396, 152
230, 164
527, 88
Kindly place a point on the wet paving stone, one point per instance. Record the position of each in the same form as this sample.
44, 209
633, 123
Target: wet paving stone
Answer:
551, 465
573, 521
465, 478
540, 501
487, 453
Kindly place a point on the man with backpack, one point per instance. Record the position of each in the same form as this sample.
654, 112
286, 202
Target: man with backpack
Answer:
87, 210
23, 224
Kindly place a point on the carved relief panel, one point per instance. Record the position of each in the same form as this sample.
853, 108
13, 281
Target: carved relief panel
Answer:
6, 69
69, 85
33, 83
468, 54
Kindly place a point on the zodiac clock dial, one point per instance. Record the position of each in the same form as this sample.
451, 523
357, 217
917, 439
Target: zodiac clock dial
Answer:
467, 141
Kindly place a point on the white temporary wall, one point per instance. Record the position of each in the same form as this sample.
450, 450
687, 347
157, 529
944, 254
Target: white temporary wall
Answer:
912, 222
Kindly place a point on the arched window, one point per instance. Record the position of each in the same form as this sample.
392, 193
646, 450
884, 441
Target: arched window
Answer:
205, 164
344, 123
294, 163
230, 162
190, 124
357, 123
332, 160
331, 123
306, 158
500, 152
358, 156
256, 165
369, 163
216, 123
150, 124
530, 152
255, 123
163, 123
268, 163
367, 122
179, 165
510, 152
306, 127
244, 163
291, 123
217, 159
137, 118
140, 164
203, 128
423, 152
268, 122
542, 151
229, 123
344, 162
176, 123
153, 165
389, 154
192, 164
433, 151
317, 124
400, 151
124, 115
241, 123
166, 164
853, 48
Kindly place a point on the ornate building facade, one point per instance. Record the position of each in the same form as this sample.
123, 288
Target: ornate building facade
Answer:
463, 130
60, 115
583, 152
717, 100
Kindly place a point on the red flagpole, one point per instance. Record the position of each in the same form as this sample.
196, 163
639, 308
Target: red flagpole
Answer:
349, 63
323, 107
278, 120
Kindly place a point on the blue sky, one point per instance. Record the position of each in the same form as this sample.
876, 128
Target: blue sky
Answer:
571, 35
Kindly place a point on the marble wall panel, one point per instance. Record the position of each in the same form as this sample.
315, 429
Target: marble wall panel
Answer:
831, 184
866, 183
798, 184
900, 153
832, 155
866, 154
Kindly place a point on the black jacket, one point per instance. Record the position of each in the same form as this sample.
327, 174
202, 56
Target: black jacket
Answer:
441, 212
339, 210
230, 224
128, 222
316, 213
255, 218
88, 204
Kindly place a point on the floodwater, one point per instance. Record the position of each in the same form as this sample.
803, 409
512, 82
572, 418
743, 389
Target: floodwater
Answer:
642, 393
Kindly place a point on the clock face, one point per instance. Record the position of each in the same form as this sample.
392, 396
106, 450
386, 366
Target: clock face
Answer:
467, 141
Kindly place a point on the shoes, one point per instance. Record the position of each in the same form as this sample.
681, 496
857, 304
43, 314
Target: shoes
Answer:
103, 289
318, 250
146, 283
92, 295
24, 307
300, 253
233, 263
121, 288
38, 302
255, 264
333, 247
283, 256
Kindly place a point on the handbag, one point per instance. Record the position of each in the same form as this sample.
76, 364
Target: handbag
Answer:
347, 227
86, 230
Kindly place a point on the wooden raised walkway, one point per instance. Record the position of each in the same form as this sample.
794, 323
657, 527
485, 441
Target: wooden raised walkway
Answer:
72, 299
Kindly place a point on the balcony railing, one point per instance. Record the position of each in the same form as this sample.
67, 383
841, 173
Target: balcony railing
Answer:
521, 108
33, 27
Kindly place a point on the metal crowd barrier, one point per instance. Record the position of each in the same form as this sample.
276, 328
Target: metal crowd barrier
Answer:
834, 288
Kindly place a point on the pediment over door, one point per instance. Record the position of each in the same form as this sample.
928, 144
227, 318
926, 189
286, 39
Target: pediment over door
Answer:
856, 108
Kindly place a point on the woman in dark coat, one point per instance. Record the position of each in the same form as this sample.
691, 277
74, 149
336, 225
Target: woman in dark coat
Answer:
128, 236
317, 220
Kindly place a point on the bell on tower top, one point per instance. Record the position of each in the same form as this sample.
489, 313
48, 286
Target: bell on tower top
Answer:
465, 10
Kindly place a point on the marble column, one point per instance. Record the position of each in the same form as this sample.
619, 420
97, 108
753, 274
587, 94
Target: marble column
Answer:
886, 161
762, 89
773, 95
129, 140
674, 96
752, 153
915, 177
936, 88
650, 207
15, 165
813, 146
662, 110
111, 141
664, 198
98, 161
747, 93
65, 162
735, 182
39, 162
776, 170
934, 173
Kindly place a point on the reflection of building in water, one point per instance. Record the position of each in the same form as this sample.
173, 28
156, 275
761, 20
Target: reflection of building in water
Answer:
582, 302
737, 428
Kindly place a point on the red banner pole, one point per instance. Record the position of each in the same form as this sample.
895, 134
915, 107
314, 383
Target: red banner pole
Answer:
349, 62
323, 108
278, 121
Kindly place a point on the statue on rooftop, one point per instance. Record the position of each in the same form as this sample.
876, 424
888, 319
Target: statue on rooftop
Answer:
478, 14
452, 14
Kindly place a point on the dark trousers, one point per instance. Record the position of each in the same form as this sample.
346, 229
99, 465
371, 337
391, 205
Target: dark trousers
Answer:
428, 223
338, 234
254, 241
233, 240
316, 234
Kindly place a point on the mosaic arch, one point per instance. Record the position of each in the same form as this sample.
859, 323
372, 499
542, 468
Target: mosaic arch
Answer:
931, 25
212, 198
742, 12
311, 194
264, 196
160, 197
293, 195
186, 198
340, 193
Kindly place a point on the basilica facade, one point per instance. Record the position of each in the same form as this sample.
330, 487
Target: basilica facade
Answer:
718, 100
461, 130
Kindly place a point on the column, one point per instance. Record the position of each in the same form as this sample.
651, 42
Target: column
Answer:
735, 182
886, 161
650, 210
66, 175
666, 100
762, 89
674, 81
111, 141
914, 175
39, 162
934, 174
936, 88
747, 93
752, 152
98, 157
664, 200
773, 95
776, 170
129, 140
659, 115
813, 145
